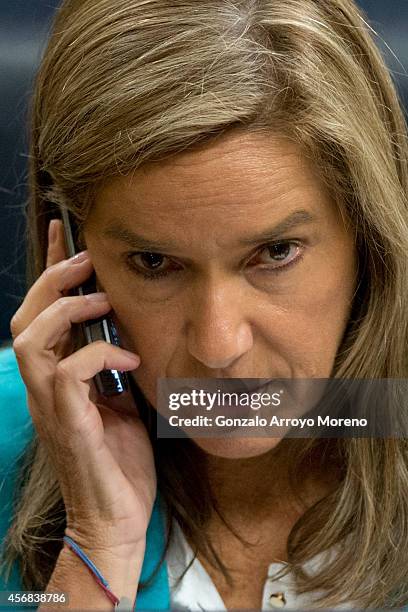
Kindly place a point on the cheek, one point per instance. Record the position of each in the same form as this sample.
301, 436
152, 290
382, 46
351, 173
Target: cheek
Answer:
306, 323
151, 332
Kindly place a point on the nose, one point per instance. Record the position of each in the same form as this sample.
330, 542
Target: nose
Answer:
218, 332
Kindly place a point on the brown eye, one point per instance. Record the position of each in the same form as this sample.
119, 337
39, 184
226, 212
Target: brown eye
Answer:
152, 261
151, 266
279, 252
277, 256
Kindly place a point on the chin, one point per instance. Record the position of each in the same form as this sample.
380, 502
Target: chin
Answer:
236, 448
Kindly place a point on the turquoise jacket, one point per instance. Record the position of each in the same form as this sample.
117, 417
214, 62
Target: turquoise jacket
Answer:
16, 429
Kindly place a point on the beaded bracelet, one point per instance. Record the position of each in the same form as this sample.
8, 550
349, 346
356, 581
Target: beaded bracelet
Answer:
124, 602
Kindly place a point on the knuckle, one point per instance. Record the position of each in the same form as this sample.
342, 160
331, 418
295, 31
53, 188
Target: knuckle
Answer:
52, 274
63, 304
49, 271
48, 275
63, 371
14, 325
101, 343
21, 345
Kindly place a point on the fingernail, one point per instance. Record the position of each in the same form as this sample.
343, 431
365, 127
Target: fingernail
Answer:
97, 297
131, 355
80, 257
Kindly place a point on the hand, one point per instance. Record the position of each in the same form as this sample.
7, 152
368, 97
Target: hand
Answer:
99, 446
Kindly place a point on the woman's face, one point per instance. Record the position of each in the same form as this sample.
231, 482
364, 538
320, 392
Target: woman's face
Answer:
228, 261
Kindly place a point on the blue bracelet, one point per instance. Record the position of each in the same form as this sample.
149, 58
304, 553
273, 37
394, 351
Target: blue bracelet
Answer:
92, 567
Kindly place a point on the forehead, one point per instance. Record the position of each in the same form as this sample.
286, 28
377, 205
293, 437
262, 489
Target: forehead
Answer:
241, 178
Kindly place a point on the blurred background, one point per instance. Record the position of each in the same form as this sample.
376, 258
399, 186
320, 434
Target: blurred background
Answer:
24, 25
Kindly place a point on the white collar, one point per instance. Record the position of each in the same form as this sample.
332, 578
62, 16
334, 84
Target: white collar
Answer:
197, 591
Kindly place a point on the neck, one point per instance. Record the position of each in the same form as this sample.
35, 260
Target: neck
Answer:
247, 489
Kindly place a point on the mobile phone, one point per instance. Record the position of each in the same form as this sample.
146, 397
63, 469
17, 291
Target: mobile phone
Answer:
107, 382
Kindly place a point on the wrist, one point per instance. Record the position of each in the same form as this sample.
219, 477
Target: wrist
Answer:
120, 571
98, 543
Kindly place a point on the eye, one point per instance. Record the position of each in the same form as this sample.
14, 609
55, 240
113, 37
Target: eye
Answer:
151, 265
278, 256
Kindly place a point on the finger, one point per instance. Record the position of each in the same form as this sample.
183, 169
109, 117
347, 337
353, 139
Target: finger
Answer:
37, 342
72, 381
56, 243
55, 282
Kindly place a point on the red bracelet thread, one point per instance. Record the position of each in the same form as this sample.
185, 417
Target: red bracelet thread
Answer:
92, 568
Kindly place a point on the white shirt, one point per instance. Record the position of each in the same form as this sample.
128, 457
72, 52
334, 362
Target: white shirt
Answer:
197, 591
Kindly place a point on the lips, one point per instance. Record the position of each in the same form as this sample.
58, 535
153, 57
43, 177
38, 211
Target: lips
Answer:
256, 385
227, 385
223, 396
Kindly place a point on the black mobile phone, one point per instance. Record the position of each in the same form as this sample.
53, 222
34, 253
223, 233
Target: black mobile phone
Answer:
108, 382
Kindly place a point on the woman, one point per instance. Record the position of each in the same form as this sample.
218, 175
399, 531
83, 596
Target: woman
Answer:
239, 173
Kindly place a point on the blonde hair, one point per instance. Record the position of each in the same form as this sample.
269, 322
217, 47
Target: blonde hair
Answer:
133, 81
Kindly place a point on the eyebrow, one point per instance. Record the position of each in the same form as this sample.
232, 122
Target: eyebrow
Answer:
117, 231
298, 217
